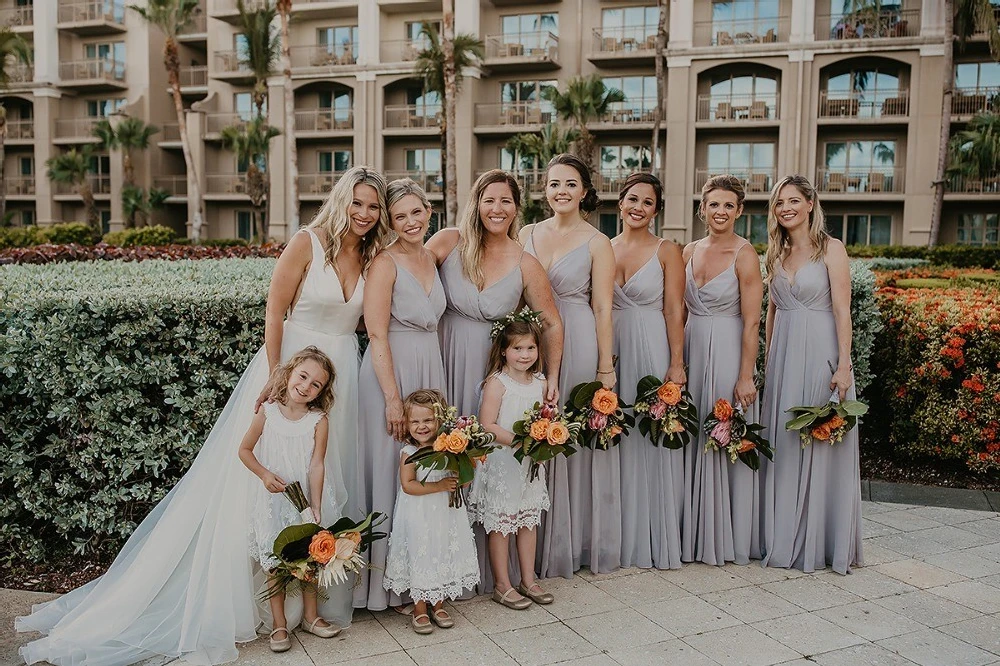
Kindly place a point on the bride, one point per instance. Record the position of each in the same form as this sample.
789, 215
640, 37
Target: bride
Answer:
185, 584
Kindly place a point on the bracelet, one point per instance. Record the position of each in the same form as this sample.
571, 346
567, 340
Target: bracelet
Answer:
605, 372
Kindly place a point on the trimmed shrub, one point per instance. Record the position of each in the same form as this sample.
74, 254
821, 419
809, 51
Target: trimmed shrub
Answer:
889, 264
71, 232
112, 375
959, 256
155, 235
18, 237
51, 254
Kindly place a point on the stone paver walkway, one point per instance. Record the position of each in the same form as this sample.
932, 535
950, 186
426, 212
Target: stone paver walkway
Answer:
929, 595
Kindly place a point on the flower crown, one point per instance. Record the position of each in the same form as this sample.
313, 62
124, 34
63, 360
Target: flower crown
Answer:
526, 314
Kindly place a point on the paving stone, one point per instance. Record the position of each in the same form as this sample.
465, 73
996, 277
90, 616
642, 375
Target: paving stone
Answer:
973, 594
955, 537
918, 574
812, 593
983, 632
472, 651
809, 634
364, 639
576, 597
399, 627
668, 652
928, 609
592, 577
871, 529
875, 554
645, 588
14, 604
930, 647
759, 575
688, 615
258, 653
869, 584
965, 563
751, 604
867, 654
492, 618
389, 659
869, 509
870, 620
618, 629
699, 578
904, 521
988, 528
990, 551
913, 544
547, 644
741, 646
949, 516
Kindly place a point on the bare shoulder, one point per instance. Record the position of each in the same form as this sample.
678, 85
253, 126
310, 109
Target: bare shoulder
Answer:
299, 247
600, 242
492, 386
670, 251
835, 249
382, 264
443, 242
689, 250
525, 233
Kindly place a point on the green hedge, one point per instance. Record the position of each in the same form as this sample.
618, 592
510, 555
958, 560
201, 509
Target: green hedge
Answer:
959, 256
155, 235
70, 232
112, 375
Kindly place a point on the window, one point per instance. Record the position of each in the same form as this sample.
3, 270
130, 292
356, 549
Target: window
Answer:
414, 29
434, 225
640, 91
753, 162
243, 106
427, 160
971, 76
339, 41
744, 21
27, 218
334, 161
101, 108
979, 229
858, 166
608, 224
340, 102
113, 54
861, 229
100, 165
511, 161
244, 225
426, 104
27, 166
530, 30
626, 158
753, 227
869, 87
635, 23
105, 221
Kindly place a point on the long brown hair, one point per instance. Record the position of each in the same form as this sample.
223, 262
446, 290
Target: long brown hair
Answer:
279, 378
511, 332
334, 216
470, 226
422, 398
590, 201
641, 177
777, 237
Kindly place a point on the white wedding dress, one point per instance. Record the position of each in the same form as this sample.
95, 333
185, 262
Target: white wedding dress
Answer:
185, 585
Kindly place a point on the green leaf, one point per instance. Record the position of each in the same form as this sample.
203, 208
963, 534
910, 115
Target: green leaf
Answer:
293, 535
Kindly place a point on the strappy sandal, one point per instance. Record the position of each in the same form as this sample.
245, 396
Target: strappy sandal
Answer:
282, 645
422, 627
514, 604
442, 618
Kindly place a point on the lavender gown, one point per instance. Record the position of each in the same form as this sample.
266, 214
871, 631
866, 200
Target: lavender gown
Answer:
812, 495
721, 499
652, 478
583, 525
416, 358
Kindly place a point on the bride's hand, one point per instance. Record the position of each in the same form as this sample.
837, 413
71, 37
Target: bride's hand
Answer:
745, 392
608, 379
273, 483
394, 419
676, 374
265, 396
551, 392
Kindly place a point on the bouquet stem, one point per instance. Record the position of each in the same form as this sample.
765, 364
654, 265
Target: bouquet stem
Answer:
455, 499
532, 471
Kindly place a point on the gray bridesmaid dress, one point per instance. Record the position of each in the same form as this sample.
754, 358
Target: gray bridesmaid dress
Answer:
812, 495
721, 499
652, 478
416, 358
583, 524
465, 345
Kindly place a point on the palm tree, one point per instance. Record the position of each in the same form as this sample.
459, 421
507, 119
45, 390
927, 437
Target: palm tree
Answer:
127, 135
284, 8
586, 99
73, 168
975, 151
12, 50
467, 51
962, 19
135, 201
661, 45
261, 48
250, 142
535, 150
172, 16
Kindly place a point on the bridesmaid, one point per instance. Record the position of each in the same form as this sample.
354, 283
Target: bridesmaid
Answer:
404, 300
812, 495
649, 340
583, 526
487, 274
723, 294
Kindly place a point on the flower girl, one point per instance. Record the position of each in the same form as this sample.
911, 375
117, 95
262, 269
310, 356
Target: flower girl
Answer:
432, 552
286, 443
502, 498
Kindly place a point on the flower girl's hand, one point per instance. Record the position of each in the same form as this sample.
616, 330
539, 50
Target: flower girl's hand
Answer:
745, 392
676, 374
273, 483
450, 484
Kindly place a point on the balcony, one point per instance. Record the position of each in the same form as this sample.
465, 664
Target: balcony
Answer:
19, 186
756, 180
626, 45
523, 50
216, 122
91, 17
20, 131
988, 184
609, 182
741, 32
753, 108
979, 32
632, 113
431, 181
401, 50
970, 101
196, 30
94, 73
17, 17
853, 106
868, 24
323, 59
19, 74
75, 130
169, 136
226, 185
512, 117
324, 122
100, 185
316, 186
194, 80
304, 9
176, 185
876, 180
413, 119
231, 67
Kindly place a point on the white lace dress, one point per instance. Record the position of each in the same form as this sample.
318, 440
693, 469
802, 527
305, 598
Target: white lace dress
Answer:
432, 552
285, 448
502, 498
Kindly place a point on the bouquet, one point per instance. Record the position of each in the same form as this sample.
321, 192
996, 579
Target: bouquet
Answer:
665, 412
728, 430
600, 413
828, 423
319, 557
543, 434
461, 444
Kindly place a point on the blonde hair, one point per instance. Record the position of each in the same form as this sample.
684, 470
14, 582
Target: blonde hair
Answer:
403, 187
279, 378
511, 332
470, 226
335, 220
423, 398
777, 236
726, 183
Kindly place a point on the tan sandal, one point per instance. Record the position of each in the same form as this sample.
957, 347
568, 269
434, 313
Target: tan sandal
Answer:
422, 627
513, 604
280, 645
323, 631
442, 618
541, 597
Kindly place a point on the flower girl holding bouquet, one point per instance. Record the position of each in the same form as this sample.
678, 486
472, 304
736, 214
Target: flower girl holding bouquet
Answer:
432, 552
285, 444
503, 498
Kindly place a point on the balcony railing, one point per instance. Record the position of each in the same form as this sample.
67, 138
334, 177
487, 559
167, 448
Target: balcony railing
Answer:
625, 40
197, 26
228, 183
99, 184
880, 104
868, 24
20, 129
324, 56
741, 31
176, 185
324, 120
230, 62
216, 122
969, 101
89, 11
611, 181
431, 181
530, 180
19, 72
413, 116
169, 132
402, 50
112, 71
318, 183
14, 17
515, 114
19, 185
730, 108
517, 46
985, 184
877, 179
756, 180
631, 112
194, 76
980, 30
75, 128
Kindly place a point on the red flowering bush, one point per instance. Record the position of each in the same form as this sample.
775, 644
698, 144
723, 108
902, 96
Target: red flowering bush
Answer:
51, 254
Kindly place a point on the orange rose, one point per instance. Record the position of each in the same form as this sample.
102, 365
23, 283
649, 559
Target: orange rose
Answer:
557, 433
457, 442
614, 431
746, 445
539, 429
323, 546
441, 443
605, 401
835, 422
821, 432
723, 410
353, 536
670, 393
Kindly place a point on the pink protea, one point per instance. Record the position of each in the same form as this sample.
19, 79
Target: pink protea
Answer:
547, 411
720, 433
463, 422
658, 409
597, 421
